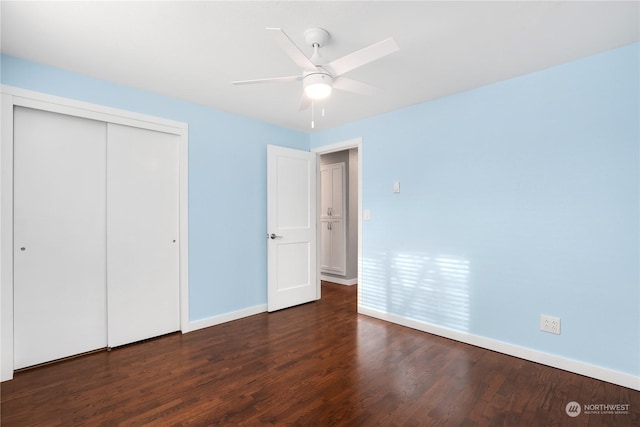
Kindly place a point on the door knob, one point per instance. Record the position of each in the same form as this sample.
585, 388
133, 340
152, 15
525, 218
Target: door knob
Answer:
274, 236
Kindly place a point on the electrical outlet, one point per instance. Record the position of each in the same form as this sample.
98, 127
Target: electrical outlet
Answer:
550, 324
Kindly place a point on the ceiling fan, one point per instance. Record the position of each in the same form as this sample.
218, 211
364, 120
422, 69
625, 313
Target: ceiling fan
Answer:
319, 76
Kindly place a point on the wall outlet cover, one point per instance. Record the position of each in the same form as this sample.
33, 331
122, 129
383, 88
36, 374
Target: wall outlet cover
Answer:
550, 324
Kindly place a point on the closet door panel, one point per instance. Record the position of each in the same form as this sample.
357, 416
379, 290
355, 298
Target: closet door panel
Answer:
142, 234
59, 236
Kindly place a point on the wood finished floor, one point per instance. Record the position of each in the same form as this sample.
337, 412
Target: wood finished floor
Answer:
318, 364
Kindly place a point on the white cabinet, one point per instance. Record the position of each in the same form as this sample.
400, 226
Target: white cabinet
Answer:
333, 247
332, 187
95, 235
332, 220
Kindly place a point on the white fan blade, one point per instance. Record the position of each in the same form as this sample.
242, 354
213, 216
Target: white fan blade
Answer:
363, 56
269, 80
305, 102
355, 86
291, 49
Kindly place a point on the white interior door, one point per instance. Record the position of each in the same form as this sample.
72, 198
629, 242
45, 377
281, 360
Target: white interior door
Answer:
291, 225
143, 230
59, 236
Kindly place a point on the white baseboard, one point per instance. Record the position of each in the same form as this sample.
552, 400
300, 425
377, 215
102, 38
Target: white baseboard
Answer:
223, 318
338, 280
577, 367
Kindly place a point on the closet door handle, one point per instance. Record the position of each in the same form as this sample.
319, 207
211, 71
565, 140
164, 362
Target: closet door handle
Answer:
275, 236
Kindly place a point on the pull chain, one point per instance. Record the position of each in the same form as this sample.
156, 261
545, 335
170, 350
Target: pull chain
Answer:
313, 114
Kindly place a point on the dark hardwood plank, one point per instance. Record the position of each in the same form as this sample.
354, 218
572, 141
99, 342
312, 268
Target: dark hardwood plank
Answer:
318, 364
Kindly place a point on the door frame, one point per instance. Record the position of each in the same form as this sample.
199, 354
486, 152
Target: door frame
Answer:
9, 98
332, 148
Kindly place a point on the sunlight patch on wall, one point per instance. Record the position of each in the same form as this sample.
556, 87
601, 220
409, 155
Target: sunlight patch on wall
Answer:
416, 285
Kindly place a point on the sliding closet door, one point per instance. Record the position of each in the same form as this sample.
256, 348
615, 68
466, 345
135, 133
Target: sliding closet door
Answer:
59, 236
142, 238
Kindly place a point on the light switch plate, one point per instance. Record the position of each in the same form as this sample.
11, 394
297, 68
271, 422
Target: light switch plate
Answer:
367, 214
396, 187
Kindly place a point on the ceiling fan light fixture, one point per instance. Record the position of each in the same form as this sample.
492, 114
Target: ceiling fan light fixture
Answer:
318, 91
318, 85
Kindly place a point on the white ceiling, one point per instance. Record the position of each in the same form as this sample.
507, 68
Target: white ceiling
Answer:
194, 50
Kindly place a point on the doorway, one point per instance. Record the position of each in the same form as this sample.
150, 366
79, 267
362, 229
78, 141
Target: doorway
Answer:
350, 153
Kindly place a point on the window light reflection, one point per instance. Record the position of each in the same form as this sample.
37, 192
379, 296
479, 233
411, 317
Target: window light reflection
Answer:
429, 288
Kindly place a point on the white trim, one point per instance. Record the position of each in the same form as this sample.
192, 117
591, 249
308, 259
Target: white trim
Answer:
6, 242
340, 146
224, 318
11, 96
88, 110
566, 364
338, 280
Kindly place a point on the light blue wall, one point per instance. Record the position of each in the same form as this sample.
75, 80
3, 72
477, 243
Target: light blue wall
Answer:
518, 199
227, 187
